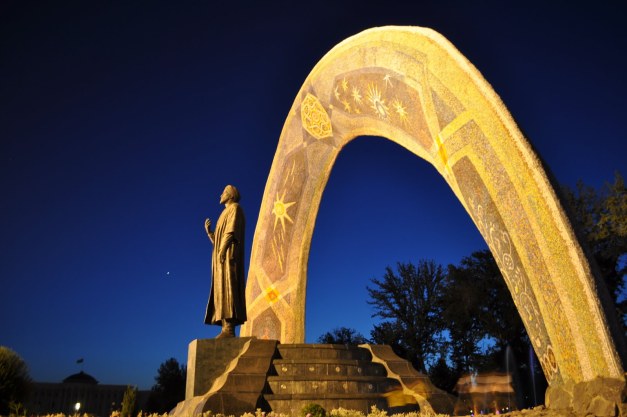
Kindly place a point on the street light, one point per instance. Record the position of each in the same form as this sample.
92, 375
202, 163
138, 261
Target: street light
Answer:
77, 407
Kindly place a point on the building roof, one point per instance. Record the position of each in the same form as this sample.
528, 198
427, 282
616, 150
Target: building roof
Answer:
80, 378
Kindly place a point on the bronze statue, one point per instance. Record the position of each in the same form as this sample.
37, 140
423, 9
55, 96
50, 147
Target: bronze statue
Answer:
227, 300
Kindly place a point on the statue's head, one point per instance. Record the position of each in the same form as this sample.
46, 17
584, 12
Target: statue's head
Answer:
230, 193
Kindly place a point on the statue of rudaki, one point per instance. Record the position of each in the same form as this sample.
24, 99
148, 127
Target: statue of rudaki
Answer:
227, 301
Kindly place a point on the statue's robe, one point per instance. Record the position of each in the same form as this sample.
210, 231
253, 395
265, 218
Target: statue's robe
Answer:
227, 299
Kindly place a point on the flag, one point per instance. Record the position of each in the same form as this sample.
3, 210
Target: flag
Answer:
79, 360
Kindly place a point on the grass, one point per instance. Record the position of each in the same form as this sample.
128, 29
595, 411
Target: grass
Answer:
338, 412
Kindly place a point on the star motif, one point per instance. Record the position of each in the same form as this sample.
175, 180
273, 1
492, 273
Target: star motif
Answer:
356, 94
280, 211
401, 110
344, 84
387, 80
347, 105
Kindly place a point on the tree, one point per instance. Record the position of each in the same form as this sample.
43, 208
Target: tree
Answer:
169, 389
478, 304
411, 302
343, 336
129, 402
15, 382
390, 333
602, 220
442, 376
478, 280
462, 310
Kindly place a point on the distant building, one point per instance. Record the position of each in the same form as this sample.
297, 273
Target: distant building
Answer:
78, 393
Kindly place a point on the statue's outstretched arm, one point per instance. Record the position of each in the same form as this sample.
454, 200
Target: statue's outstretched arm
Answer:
208, 230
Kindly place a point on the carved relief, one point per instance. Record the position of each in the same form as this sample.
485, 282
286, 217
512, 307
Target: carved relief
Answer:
314, 117
501, 247
382, 95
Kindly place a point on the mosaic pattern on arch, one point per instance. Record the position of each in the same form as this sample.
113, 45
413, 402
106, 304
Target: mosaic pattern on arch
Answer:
486, 216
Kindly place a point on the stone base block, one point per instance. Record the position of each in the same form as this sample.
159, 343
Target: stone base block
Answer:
225, 376
601, 397
207, 359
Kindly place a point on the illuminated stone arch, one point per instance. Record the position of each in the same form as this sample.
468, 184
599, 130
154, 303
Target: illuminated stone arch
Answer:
412, 86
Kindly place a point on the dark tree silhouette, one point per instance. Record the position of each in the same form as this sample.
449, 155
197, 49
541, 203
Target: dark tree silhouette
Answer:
15, 381
464, 309
479, 305
343, 336
411, 301
602, 219
442, 376
169, 389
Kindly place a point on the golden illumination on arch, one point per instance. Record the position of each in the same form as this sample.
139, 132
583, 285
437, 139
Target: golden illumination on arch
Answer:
413, 87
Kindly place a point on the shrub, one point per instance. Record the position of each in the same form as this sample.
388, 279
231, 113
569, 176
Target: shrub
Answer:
375, 412
128, 402
313, 410
343, 412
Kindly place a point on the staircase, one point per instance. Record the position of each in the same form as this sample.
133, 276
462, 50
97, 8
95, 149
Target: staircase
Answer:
332, 376
233, 376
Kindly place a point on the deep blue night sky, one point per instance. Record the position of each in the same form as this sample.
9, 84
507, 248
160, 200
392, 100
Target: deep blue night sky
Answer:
121, 123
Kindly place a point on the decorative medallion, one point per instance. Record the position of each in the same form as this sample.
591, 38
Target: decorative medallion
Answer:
314, 117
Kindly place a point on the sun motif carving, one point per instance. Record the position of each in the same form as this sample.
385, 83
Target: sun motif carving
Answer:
377, 103
280, 210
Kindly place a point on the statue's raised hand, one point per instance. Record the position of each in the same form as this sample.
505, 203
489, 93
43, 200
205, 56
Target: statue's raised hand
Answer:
208, 225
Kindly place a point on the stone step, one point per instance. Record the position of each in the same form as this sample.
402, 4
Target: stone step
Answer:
351, 367
331, 384
334, 376
314, 396
321, 351
292, 404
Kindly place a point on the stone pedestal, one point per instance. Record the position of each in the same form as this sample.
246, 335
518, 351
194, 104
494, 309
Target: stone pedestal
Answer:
207, 359
226, 376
